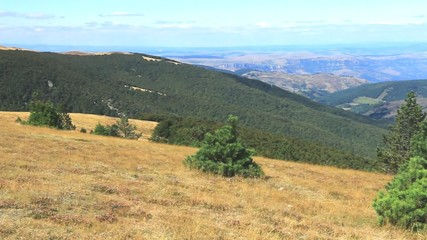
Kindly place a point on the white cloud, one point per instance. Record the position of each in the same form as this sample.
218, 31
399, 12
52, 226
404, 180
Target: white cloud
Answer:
122, 14
34, 15
174, 24
289, 25
396, 23
107, 25
91, 24
262, 25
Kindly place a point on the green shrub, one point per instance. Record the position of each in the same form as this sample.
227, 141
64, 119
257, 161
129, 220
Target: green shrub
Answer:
46, 114
106, 130
404, 203
113, 130
83, 130
122, 129
100, 130
162, 132
43, 114
223, 153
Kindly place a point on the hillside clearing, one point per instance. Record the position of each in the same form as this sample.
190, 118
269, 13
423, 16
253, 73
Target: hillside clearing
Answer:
70, 185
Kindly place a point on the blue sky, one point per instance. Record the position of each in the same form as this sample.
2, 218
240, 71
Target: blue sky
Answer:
211, 23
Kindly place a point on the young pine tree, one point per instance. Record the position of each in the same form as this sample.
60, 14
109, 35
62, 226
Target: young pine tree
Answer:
66, 122
121, 129
223, 153
397, 144
126, 129
404, 201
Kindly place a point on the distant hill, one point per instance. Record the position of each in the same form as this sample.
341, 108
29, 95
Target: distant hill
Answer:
310, 85
4, 48
379, 100
139, 85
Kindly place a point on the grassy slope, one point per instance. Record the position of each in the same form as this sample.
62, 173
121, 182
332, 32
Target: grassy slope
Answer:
70, 185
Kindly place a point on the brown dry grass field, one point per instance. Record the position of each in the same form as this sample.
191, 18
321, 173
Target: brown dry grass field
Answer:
71, 185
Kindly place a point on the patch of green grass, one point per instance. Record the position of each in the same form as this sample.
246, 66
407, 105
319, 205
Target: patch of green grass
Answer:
367, 100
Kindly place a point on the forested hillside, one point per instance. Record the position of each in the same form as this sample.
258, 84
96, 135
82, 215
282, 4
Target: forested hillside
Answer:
191, 132
141, 85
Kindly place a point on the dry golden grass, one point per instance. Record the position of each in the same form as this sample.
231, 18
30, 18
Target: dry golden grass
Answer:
70, 185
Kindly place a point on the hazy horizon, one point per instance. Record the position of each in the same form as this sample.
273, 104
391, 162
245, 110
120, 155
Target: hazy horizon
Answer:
359, 49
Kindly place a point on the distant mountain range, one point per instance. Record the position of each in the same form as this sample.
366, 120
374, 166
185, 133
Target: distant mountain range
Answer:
139, 85
376, 63
379, 100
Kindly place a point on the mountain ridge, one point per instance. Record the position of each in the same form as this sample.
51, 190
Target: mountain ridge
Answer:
103, 83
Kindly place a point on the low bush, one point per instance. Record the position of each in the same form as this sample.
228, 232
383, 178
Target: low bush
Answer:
404, 203
46, 114
121, 129
223, 153
106, 130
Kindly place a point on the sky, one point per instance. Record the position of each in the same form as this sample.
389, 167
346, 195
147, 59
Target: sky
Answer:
211, 23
